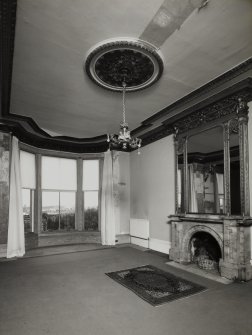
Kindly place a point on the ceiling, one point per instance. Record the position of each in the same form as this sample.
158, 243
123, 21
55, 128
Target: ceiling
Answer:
53, 38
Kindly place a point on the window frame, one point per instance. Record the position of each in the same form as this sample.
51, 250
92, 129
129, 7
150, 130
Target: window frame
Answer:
59, 214
94, 190
79, 195
32, 193
32, 211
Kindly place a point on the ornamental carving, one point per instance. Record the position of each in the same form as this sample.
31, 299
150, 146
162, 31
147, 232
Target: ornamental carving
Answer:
242, 108
132, 62
124, 65
221, 109
233, 126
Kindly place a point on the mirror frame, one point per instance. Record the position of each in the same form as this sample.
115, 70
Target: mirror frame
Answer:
238, 121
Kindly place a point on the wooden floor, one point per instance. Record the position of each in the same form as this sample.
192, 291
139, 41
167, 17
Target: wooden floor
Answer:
69, 294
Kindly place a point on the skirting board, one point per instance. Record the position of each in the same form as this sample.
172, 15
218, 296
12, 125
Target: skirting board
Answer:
3, 250
160, 245
139, 241
122, 238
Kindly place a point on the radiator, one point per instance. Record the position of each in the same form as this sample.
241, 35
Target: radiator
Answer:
139, 232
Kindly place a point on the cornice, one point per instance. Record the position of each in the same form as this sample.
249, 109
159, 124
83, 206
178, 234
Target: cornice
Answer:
156, 134
7, 33
217, 107
213, 84
67, 144
218, 110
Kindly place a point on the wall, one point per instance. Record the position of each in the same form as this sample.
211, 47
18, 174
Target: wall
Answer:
153, 189
122, 190
4, 190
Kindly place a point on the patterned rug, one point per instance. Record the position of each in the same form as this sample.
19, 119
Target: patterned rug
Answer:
154, 285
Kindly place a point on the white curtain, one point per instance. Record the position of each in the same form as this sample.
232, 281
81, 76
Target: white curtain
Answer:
193, 204
108, 202
16, 239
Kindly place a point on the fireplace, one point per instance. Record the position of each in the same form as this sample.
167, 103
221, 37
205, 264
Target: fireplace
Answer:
221, 243
205, 251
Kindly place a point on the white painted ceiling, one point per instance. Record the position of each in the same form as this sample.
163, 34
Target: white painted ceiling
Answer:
54, 36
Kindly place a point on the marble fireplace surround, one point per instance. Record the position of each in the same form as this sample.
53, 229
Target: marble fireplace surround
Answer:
232, 233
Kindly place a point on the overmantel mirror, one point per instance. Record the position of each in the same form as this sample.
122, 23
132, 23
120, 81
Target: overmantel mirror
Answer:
212, 167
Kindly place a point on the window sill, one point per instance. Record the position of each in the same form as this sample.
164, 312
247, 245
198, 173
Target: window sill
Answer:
74, 232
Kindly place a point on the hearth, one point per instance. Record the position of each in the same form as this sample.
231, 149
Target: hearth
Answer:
205, 251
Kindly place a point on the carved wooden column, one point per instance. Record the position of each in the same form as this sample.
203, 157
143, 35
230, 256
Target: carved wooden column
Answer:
227, 200
185, 177
242, 112
176, 172
179, 144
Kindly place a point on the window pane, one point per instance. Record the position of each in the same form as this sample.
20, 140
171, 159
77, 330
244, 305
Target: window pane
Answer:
50, 211
90, 175
67, 210
91, 200
28, 169
68, 174
59, 173
50, 173
27, 210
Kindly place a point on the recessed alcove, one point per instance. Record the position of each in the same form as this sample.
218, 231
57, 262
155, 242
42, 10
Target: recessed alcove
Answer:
205, 251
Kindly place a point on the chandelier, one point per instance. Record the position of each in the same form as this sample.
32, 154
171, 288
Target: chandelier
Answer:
122, 65
123, 140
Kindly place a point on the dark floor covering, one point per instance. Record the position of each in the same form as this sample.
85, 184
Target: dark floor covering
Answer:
63, 249
70, 294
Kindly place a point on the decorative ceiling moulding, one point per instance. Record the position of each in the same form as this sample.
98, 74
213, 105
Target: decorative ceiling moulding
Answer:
7, 33
218, 106
156, 134
58, 144
236, 71
243, 87
132, 61
219, 110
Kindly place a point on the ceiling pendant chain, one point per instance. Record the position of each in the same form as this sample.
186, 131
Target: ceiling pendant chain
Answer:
123, 140
124, 108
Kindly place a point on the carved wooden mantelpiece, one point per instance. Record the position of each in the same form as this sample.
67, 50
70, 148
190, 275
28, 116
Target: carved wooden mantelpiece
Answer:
232, 235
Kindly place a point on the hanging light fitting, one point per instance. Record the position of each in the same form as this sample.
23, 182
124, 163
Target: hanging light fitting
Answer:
123, 140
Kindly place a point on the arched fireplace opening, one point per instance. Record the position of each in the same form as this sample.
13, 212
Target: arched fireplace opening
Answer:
205, 251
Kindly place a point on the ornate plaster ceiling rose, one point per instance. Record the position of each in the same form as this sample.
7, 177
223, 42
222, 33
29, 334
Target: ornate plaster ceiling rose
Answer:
114, 62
